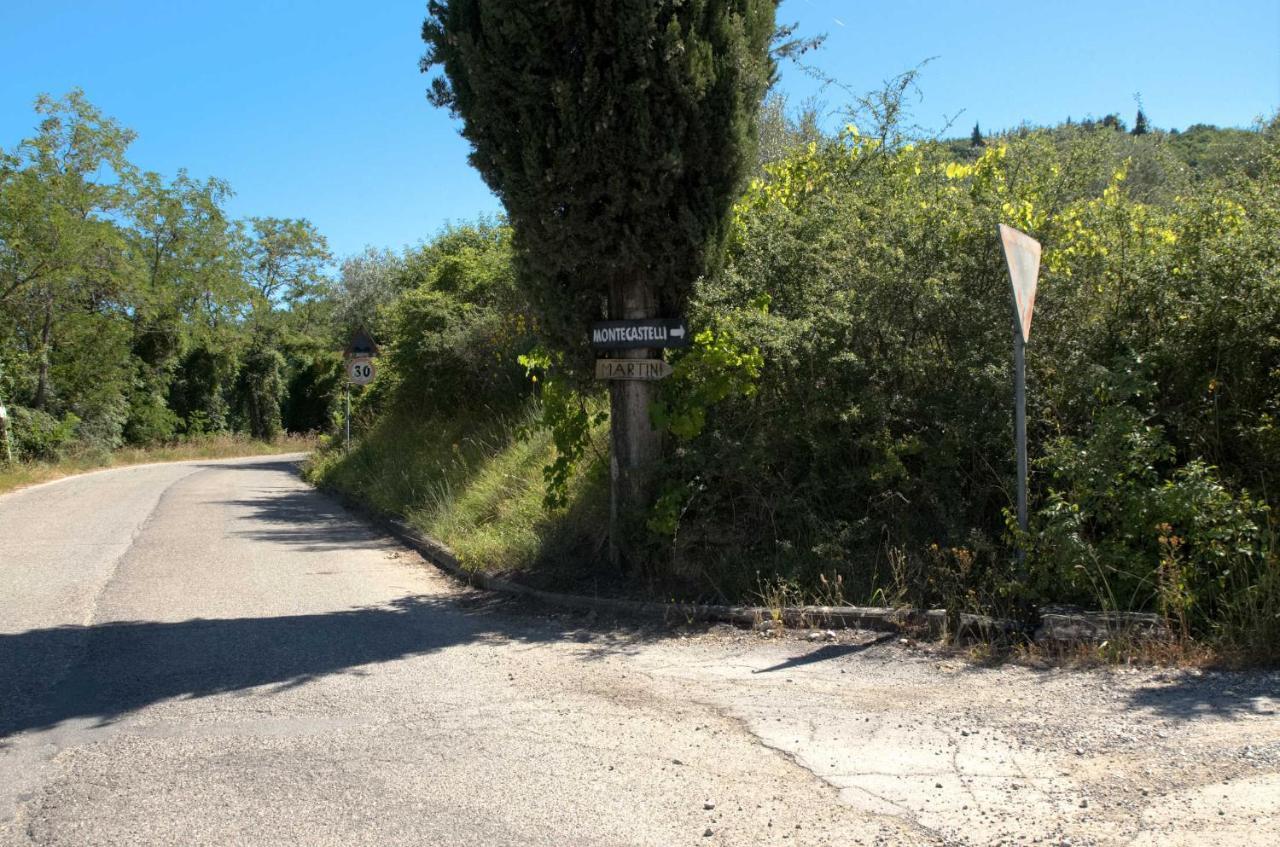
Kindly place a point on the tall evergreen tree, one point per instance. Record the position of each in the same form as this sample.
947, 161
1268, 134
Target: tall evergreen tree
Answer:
976, 139
617, 135
1140, 123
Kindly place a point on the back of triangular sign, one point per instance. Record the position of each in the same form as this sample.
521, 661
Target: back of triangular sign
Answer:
1022, 253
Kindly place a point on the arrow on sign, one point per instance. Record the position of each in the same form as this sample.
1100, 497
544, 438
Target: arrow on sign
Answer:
645, 332
1022, 254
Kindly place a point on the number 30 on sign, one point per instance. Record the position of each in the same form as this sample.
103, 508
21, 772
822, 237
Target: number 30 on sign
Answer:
361, 371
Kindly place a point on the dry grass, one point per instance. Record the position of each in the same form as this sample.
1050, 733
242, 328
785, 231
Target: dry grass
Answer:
22, 474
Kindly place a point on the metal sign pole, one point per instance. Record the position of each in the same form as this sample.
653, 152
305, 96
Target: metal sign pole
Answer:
1022, 254
348, 398
1020, 429
4, 432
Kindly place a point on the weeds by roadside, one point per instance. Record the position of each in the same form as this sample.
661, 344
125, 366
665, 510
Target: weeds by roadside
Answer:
21, 474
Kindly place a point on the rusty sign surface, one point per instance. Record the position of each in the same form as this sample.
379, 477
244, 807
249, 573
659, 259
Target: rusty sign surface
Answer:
648, 369
1022, 253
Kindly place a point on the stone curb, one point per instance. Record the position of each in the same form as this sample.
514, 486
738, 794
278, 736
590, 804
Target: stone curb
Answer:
1056, 627
881, 619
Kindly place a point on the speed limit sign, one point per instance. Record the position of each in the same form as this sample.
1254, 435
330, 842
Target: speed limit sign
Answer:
361, 371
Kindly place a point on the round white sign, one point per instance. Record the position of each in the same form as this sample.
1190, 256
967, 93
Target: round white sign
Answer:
361, 371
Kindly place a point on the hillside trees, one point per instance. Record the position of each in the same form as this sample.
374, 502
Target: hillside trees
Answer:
129, 303
617, 136
65, 279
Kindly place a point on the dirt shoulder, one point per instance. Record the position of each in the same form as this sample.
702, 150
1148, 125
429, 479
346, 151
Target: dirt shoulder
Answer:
969, 755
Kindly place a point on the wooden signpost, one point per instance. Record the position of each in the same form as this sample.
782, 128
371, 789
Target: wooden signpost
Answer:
1022, 254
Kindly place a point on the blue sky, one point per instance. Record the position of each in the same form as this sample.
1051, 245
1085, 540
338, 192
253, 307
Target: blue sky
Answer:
316, 109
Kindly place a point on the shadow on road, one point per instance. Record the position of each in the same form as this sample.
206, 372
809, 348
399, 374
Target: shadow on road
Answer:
830, 651
1225, 694
302, 518
117, 668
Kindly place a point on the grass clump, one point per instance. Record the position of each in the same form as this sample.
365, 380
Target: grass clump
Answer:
476, 484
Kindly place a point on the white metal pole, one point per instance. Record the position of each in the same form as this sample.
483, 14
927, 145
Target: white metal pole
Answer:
4, 431
1020, 428
348, 393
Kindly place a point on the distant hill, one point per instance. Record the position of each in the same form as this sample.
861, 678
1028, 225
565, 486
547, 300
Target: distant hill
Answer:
1206, 150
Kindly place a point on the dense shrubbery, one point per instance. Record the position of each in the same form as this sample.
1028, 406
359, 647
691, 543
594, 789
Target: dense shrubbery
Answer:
844, 416
879, 431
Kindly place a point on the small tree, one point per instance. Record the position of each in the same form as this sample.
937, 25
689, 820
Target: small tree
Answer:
976, 139
617, 135
1140, 123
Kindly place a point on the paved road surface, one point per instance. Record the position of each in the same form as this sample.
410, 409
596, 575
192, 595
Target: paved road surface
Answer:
211, 653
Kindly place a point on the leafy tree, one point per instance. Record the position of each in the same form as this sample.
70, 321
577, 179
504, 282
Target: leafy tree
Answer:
367, 282
284, 258
1113, 122
617, 136
61, 255
781, 132
260, 389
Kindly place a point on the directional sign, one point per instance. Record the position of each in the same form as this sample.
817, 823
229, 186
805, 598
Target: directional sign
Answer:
361, 371
361, 345
648, 369
629, 335
1022, 253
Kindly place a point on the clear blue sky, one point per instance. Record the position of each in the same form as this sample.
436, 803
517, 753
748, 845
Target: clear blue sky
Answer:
316, 109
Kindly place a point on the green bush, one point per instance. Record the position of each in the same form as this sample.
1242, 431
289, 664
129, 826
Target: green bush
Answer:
39, 436
877, 439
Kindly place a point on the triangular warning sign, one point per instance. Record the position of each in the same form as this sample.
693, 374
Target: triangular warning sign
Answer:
1022, 253
361, 345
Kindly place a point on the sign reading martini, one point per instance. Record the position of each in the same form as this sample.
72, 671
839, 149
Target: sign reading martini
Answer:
645, 369
630, 335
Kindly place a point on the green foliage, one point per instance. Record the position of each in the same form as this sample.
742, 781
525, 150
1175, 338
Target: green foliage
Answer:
127, 300
200, 389
312, 394
455, 334
39, 436
716, 367
877, 440
615, 134
566, 415
260, 389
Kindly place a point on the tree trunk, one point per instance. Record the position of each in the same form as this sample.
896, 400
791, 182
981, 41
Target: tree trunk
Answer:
42, 374
635, 445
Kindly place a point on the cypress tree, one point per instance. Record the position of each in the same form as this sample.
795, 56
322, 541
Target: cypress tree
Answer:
617, 135
976, 139
1140, 124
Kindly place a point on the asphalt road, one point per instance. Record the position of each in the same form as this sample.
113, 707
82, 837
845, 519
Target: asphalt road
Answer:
212, 653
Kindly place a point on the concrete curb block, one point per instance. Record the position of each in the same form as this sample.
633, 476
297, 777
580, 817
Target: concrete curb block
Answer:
1076, 626
881, 619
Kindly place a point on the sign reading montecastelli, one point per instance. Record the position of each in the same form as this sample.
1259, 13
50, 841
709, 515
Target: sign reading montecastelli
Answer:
629, 335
